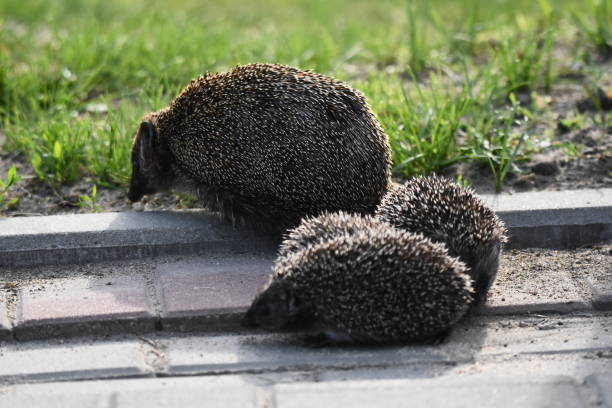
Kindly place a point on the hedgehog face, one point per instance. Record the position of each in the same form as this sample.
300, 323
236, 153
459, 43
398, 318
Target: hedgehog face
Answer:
275, 308
483, 269
151, 163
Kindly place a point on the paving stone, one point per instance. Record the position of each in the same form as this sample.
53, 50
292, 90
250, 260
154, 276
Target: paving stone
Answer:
507, 392
601, 288
64, 307
475, 338
53, 396
578, 365
603, 383
41, 361
210, 293
528, 289
187, 392
534, 335
5, 324
222, 354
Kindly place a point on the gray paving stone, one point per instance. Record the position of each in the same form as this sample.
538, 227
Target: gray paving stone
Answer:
197, 355
239, 353
185, 392
603, 384
507, 392
78, 306
188, 392
41, 361
50, 398
578, 365
5, 324
66, 239
521, 289
534, 335
210, 293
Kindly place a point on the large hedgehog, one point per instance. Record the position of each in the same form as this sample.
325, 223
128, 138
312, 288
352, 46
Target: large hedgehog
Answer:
453, 215
265, 142
369, 282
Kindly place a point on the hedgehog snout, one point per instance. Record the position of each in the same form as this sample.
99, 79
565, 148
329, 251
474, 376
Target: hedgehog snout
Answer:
484, 271
134, 193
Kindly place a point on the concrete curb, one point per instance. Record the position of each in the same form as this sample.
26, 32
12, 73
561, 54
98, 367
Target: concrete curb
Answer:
555, 219
560, 220
65, 239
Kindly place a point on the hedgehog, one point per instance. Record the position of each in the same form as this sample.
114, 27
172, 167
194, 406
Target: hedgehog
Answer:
453, 215
265, 142
375, 284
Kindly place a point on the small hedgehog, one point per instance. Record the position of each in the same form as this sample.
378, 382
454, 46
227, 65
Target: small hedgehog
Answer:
448, 213
370, 285
265, 142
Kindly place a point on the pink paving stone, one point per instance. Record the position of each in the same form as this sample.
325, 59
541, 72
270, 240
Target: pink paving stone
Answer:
83, 306
5, 324
211, 290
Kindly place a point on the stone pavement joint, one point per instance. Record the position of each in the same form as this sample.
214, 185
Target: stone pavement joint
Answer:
542, 308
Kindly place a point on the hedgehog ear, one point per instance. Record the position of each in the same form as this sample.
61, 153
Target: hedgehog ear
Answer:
147, 140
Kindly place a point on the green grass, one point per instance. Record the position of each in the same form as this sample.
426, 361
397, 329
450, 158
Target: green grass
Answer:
5, 184
76, 76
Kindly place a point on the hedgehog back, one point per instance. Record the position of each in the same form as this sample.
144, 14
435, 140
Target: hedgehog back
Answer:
285, 139
324, 227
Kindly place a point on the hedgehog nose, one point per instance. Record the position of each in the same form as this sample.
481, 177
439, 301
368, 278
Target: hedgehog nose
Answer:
134, 194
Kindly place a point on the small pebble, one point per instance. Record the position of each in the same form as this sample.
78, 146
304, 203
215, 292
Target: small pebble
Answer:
138, 206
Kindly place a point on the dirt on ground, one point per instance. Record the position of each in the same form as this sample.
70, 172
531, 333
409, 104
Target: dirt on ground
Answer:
552, 168
527, 271
549, 169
